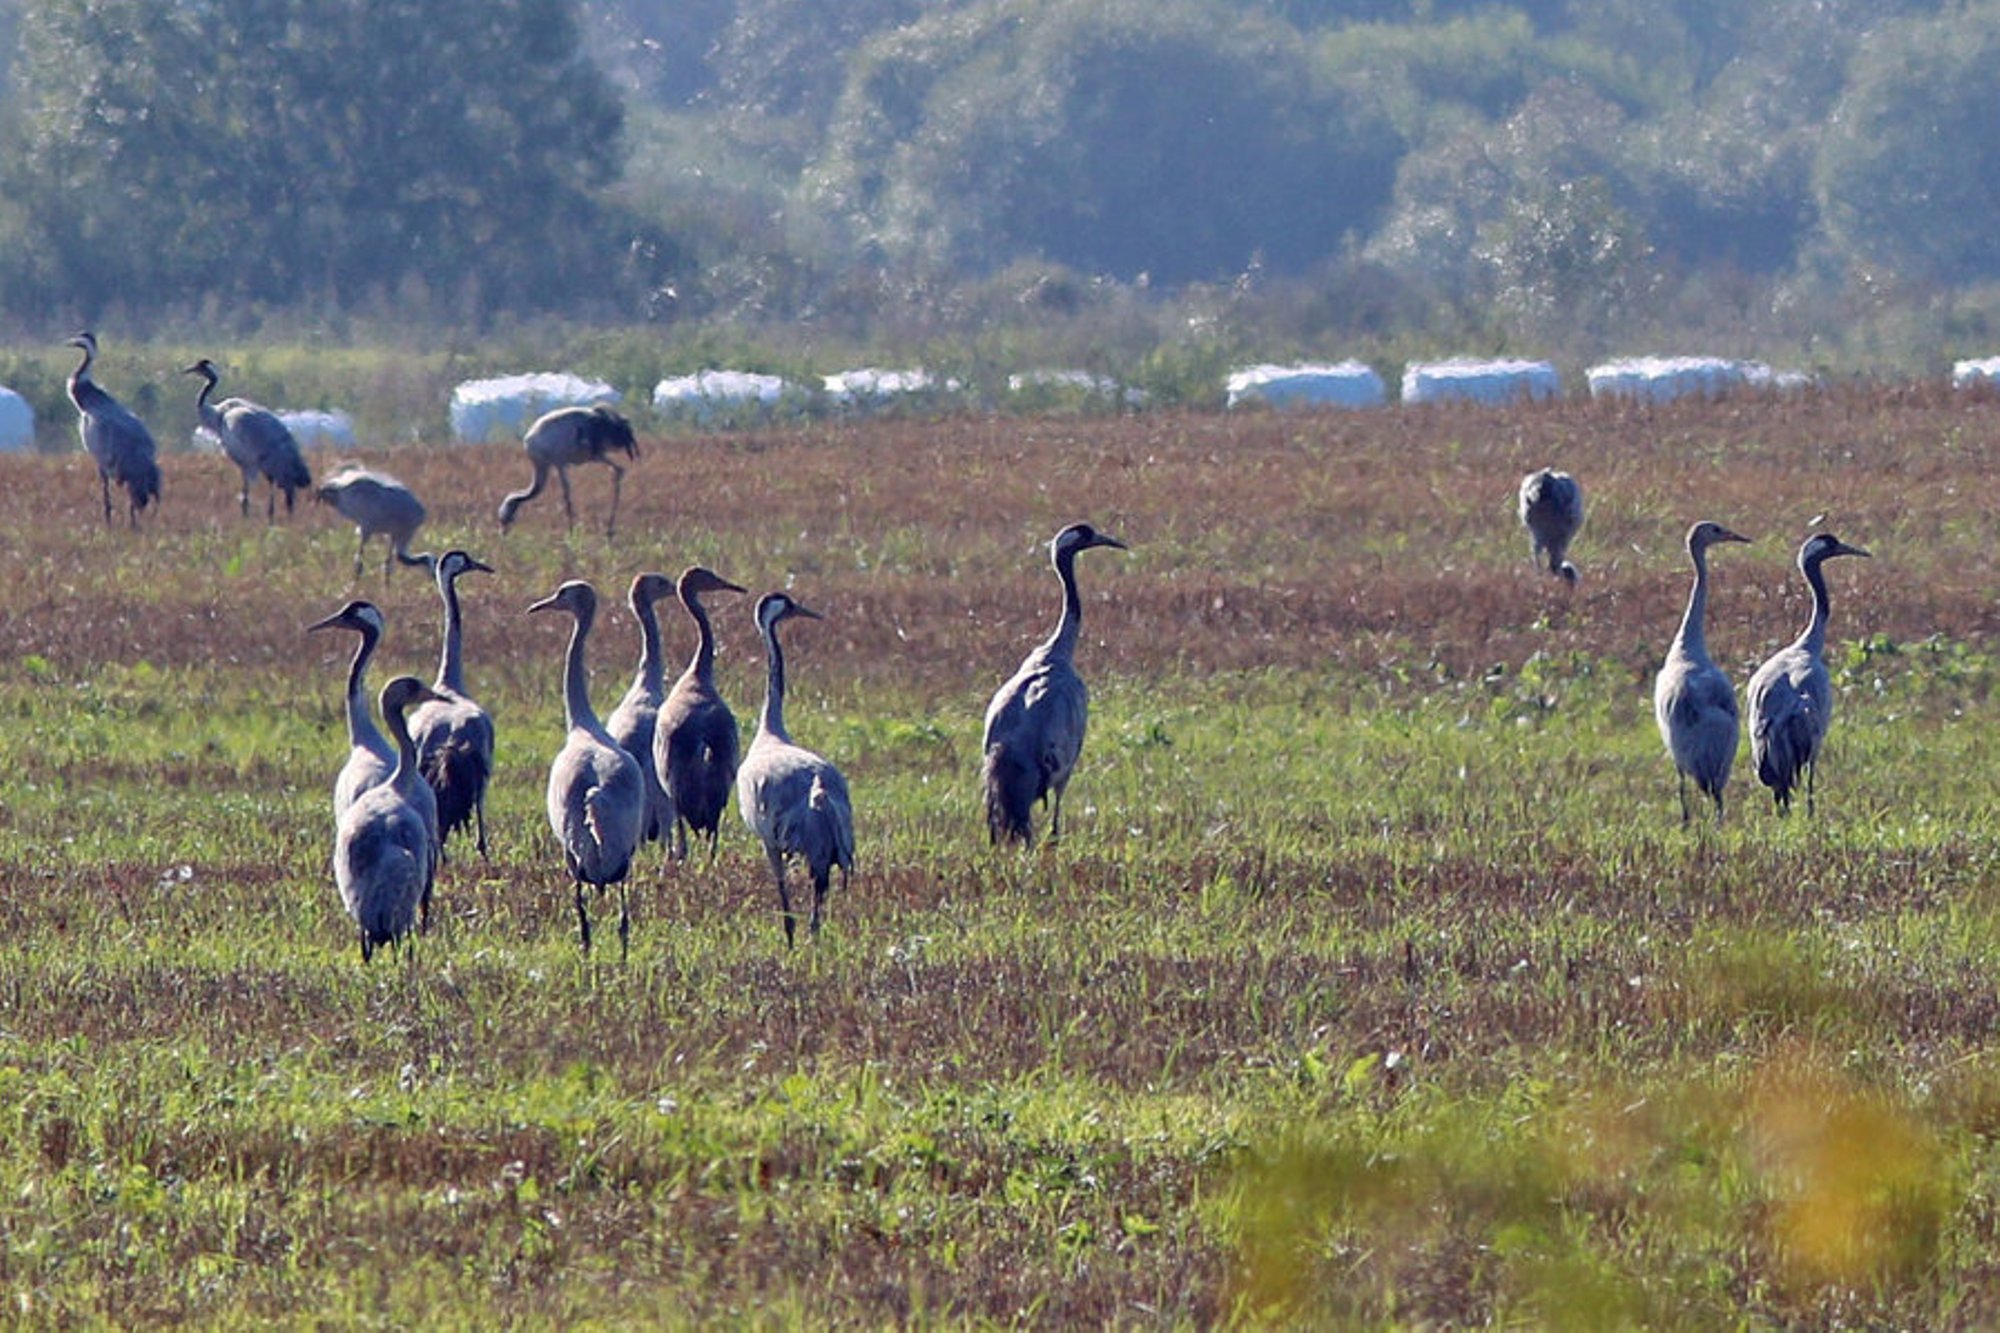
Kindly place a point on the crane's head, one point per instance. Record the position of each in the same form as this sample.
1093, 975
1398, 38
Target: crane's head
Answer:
698, 579
648, 588
361, 617
1081, 537
576, 597
86, 340
399, 694
204, 368
774, 607
1824, 546
455, 562
1707, 533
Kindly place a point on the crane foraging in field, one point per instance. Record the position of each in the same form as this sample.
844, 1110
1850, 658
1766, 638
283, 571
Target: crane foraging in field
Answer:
384, 852
454, 734
695, 744
1791, 695
1036, 721
377, 504
561, 439
255, 439
792, 799
596, 794
1693, 700
634, 722
116, 440
1552, 511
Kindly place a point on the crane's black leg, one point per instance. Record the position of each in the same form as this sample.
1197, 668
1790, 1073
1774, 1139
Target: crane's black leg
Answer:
784, 898
569, 508
104, 481
617, 481
582, 918
1684, 800
624, 922
820, 879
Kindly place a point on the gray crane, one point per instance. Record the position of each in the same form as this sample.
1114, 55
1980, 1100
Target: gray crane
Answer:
376, 503
1552, 511
695, 743
596, 796
1791, 696
116, 440
384, 854
561, 439
1693, 700
1036, 721
254, 438
634, 722
454, 734
792, 799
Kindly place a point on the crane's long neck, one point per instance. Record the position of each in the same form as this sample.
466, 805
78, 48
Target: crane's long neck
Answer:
81, 386
515, 499
1693, 638
451, 663
772, 718
652, 672
702, 665
1814, 637
1062, 643
210, 416
406, 749
577, 711
360, 726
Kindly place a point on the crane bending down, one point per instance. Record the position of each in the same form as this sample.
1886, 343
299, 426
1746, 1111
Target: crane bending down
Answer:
255, 439
116, 440
376, 503
695, 743
454, 734
596, 796
565, 437
1552, 511
633, 723
1036, 721
1791, 696
384, 855
1693, 700
792, 799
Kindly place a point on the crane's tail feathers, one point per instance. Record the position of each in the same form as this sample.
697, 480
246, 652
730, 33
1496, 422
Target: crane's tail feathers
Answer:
457, 774
1011, 788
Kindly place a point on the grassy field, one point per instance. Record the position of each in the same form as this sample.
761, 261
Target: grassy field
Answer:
1375, 983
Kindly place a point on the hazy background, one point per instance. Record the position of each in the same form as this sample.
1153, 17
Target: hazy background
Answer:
1099, 181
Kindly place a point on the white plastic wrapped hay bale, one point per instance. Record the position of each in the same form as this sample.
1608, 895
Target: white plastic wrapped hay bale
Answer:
17, 422
315, 429
1978, 373
1661, 379
871, 388
711, 397
1335, 384
504, 407
1493, 383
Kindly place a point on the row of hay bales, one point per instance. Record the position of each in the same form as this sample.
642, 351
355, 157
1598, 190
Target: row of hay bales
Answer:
1650, 379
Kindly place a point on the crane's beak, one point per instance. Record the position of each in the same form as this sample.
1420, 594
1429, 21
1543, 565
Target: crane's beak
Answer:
1106, 539
546, 604
334, 621
1728, 536
806, 611
1845, 549
474, 562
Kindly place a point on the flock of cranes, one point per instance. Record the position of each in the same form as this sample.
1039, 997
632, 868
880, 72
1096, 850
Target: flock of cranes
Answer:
1790, 695
663, 766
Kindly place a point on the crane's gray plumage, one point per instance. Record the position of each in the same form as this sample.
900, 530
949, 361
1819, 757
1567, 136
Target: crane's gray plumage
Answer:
596, 796
454, 734
565, 437
1552, 511
1791, 696
376, 503
1693, 700
695, 744
384, 855
254, 438
116, 440
1036, 721
792, 799
634, 722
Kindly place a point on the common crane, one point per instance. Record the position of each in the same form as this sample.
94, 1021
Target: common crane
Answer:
454, 734
633, 723
1036, 721
1693, 699
254, 438
384, 854
561, 439
1791, 696
695, 744
116, 440
596, 796
792, 799
376, 503
1552, 511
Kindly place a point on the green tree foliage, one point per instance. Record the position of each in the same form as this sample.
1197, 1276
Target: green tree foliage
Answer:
1908, 175
296, 151
1176, 139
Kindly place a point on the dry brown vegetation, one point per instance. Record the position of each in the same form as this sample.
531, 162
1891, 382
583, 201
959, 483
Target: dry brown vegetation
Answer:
1374, 986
